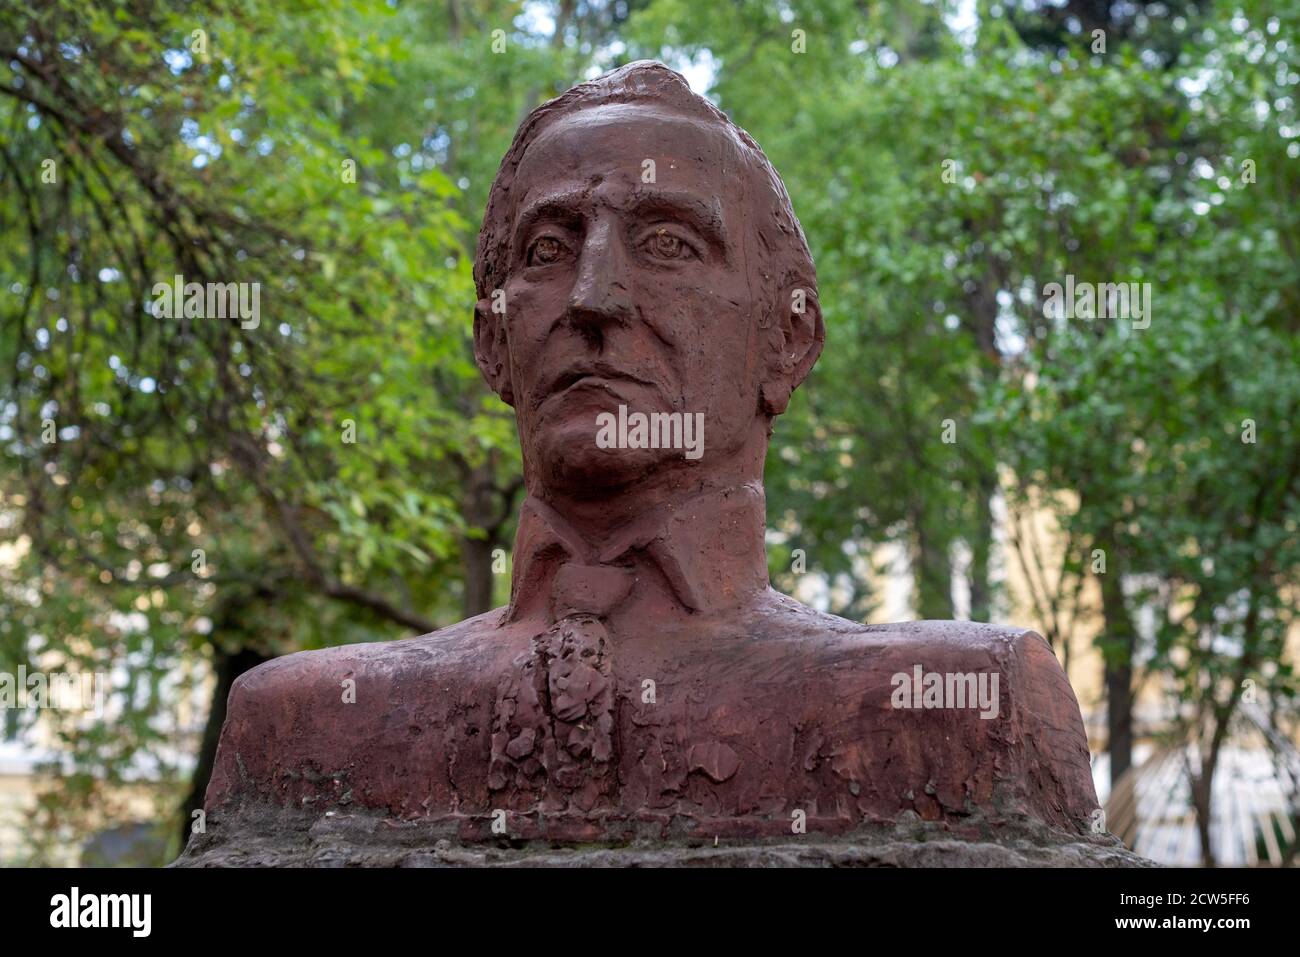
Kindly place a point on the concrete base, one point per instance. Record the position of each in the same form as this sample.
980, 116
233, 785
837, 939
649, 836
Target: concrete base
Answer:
264, 836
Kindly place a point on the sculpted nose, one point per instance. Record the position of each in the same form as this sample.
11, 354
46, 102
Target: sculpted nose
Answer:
600, 296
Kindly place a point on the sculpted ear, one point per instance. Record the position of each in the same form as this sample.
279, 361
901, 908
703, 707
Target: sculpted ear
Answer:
795, 341
490, 350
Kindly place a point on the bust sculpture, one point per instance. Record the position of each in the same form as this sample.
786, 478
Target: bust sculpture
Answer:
647, 305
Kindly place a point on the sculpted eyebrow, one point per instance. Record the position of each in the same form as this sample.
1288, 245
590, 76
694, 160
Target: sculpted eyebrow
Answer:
705, 217
563, 207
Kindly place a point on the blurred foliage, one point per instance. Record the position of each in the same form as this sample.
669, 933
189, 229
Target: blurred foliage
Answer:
201, 500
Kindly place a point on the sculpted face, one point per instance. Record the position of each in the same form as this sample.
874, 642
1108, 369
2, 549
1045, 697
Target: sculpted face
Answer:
633, 293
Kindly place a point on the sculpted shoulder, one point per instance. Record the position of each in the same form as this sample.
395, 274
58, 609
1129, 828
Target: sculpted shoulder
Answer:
429, 654
967, 697
1030, 676
781, 618
338, 708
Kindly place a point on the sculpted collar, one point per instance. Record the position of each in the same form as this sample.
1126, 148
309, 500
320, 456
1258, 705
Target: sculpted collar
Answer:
701, 556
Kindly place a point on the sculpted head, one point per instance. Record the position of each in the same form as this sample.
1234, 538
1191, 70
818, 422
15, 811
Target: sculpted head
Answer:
639, 250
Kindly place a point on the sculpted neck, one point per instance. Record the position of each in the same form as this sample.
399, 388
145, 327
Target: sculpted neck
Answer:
598, 512
694, 536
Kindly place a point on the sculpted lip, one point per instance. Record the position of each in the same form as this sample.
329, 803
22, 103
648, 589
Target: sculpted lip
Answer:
597, 376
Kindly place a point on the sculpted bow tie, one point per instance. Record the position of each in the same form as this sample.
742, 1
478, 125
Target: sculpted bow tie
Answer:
552, 735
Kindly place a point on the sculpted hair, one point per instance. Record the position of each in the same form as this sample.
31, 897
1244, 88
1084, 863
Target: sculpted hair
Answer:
783, 258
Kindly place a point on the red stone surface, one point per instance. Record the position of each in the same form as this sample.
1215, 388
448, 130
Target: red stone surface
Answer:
640, 570
781, 710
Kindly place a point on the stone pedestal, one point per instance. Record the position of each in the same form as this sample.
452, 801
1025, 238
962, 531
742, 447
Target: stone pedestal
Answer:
265, 836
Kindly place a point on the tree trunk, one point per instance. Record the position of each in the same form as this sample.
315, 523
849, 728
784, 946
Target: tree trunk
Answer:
482, 511
932, 570
981, 599
476, 562
1121, 637
228, 667
1201, 787
982, 303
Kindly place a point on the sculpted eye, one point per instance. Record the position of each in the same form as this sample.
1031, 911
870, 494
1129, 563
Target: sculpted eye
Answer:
664, 245
546, 250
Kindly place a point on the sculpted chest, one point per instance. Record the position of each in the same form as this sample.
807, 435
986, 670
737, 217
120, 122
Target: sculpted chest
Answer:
735, 727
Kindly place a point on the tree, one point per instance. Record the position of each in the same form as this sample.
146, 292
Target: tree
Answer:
178, 472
